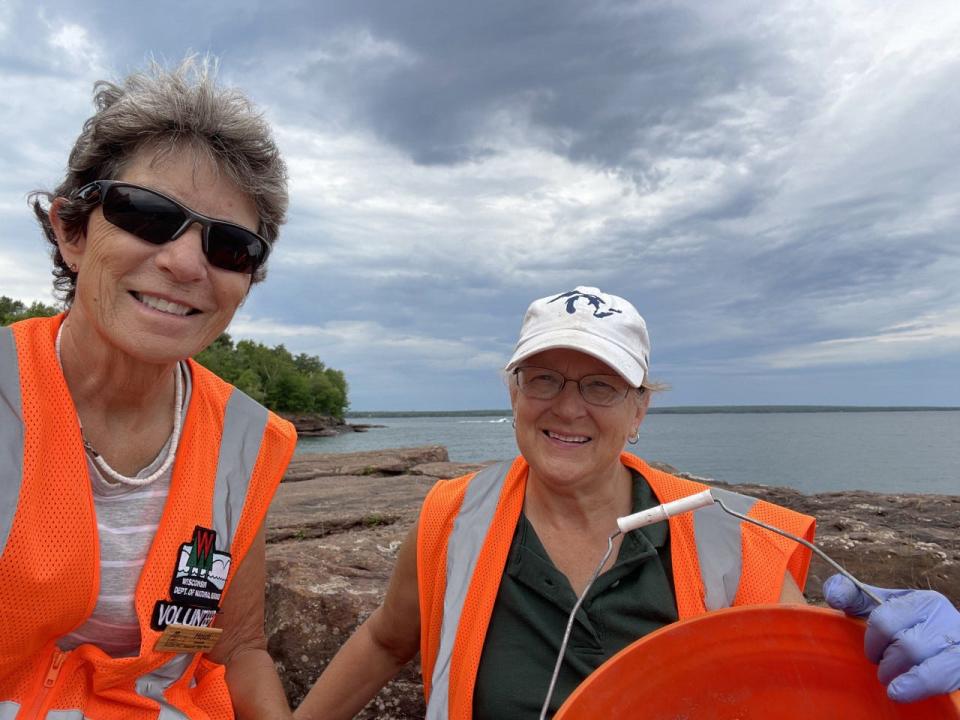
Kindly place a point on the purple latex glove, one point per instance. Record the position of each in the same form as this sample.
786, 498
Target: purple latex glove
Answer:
914, 637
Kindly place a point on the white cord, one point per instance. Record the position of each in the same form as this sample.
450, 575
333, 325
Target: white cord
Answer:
573, 614
174, 437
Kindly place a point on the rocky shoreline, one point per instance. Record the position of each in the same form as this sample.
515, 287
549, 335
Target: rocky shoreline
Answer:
338, 519
311, 425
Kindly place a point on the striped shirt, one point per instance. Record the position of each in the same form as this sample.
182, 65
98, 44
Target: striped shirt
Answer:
127, 519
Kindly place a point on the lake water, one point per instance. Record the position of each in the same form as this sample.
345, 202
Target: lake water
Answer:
810, 451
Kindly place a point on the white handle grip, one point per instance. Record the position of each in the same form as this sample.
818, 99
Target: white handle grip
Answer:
662, 512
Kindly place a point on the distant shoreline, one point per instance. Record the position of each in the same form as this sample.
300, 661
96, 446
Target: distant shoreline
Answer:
675, 410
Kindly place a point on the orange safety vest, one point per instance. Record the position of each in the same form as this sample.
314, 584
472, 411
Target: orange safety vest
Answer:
466, 528
231, 457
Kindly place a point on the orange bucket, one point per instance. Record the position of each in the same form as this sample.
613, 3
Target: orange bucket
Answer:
765, 662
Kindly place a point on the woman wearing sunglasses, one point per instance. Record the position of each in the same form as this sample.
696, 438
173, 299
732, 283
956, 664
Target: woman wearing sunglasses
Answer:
133, 482
488, 576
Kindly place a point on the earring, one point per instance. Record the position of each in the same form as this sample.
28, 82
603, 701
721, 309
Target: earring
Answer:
635, 437
513, 423
73, 267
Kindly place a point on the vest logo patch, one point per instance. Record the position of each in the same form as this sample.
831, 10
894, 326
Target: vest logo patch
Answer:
201, 571
199, 577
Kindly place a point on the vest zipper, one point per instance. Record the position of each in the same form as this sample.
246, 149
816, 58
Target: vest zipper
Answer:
53, 672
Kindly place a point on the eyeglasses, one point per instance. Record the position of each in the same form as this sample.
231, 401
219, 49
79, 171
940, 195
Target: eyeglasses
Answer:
544, 384
158, 219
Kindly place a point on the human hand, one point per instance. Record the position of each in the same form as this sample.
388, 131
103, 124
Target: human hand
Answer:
914, 637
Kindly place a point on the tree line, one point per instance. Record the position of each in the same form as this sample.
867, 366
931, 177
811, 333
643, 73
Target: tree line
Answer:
276, 378
12, 310
273, 376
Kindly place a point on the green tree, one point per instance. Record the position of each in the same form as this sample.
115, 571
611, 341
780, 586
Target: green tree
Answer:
308, 364
13, 310
290, 391
220, 357
336, 402
249, 382
277, 378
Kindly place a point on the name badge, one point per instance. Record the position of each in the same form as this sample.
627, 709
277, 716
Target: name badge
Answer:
186, 639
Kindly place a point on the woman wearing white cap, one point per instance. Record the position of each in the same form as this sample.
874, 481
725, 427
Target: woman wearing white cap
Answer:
486, 580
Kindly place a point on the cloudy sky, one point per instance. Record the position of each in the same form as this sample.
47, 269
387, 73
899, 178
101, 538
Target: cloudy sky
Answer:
774, 184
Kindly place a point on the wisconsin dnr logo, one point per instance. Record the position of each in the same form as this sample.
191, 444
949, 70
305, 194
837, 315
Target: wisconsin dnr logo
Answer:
201, 570
197, 584
200, 552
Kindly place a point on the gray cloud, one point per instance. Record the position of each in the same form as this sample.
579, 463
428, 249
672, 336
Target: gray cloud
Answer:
615, 83
772, 184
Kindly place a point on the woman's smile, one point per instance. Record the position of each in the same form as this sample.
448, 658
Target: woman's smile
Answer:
164, 305
567, 439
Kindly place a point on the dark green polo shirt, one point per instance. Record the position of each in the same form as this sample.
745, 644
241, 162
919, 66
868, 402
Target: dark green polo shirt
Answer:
631, 599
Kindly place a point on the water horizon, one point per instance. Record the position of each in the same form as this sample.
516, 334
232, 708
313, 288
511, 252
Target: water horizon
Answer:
898, 451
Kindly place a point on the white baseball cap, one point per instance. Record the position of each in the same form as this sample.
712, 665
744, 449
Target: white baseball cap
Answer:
587, 319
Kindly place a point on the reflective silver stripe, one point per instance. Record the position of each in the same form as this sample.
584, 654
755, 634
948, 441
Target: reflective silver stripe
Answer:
9, 710
11, 437
64, 715
463, 548
153, 684
243, 425
719, 547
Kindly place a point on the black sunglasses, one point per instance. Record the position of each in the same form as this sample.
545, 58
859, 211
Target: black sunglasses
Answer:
158, 219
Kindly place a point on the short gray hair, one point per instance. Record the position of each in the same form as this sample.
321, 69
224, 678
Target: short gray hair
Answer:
169, 110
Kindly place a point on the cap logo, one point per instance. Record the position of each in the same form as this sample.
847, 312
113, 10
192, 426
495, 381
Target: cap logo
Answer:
593, 301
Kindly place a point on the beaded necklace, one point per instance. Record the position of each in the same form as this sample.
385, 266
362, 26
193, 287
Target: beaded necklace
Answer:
174, 437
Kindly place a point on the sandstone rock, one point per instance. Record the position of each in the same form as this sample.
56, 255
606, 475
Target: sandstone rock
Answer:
332, 542
318, 592
313, 425
333, 537
445, 470
338, 503
377, 462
